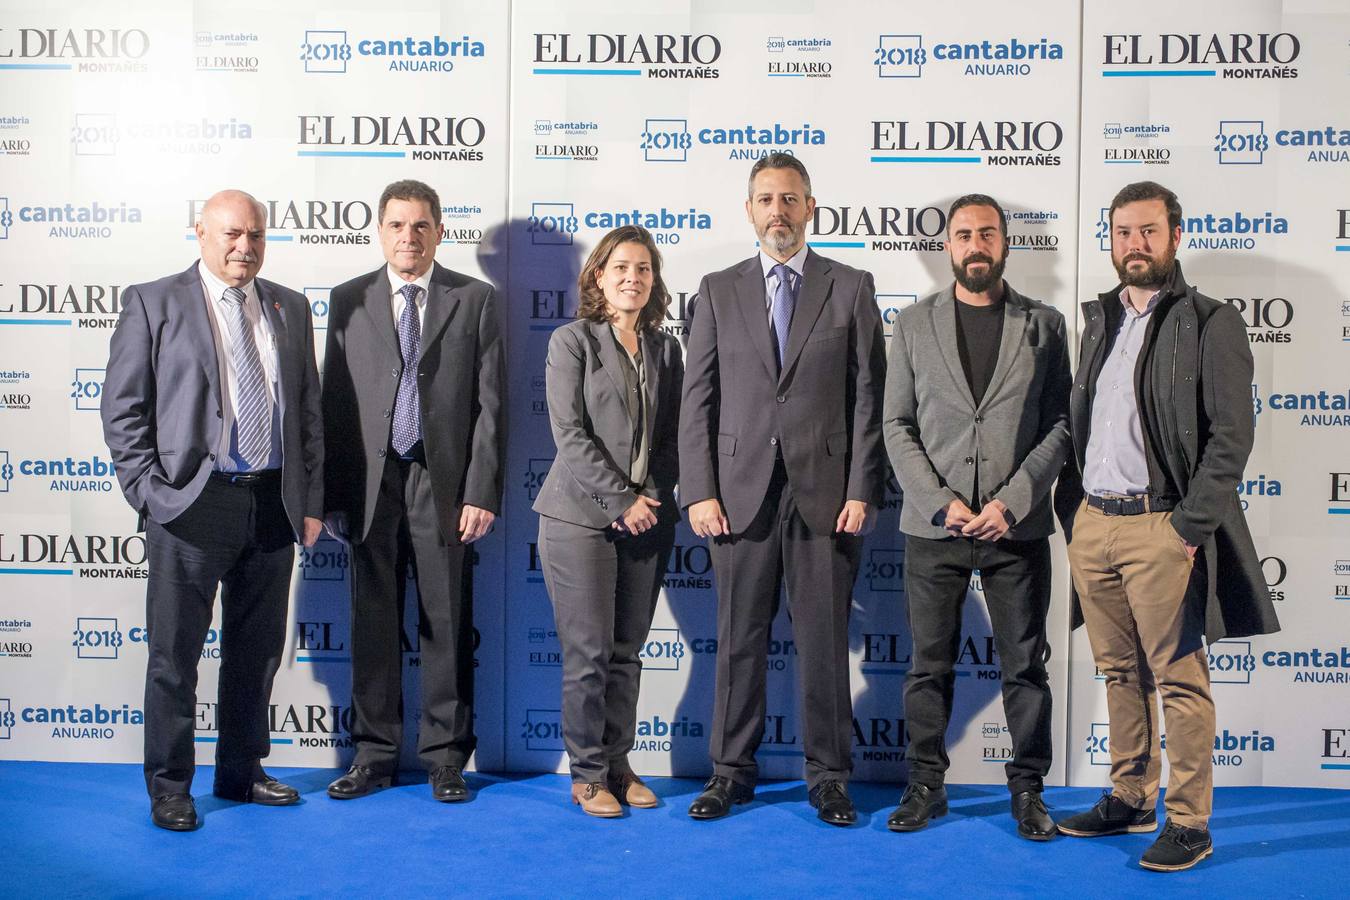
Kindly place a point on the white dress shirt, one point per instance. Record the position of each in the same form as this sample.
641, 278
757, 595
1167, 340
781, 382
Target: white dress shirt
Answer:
213, 290
396, 301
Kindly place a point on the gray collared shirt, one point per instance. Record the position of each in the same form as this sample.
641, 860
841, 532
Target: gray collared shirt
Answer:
635, 396
1116, 462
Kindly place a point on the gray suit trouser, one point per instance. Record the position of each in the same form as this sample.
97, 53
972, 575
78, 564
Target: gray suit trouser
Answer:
604, 587
779, 550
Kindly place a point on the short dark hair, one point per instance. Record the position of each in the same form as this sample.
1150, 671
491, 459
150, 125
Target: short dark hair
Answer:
978, 200
1147, 190
592, 303
778, 160
411, 190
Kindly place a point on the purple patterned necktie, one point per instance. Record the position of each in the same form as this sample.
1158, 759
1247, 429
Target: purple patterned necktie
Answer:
407, 411
784, 301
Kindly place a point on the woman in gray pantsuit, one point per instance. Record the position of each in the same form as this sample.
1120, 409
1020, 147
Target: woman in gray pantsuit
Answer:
607, 510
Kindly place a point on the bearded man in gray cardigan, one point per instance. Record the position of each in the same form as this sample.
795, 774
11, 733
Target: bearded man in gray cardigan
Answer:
976, 425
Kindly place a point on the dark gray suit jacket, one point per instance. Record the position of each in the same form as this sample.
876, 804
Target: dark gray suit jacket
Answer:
460, 386
1017, 437
161, 398
823, 411
587, 483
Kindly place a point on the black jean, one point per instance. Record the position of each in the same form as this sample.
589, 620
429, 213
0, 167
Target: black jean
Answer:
1016, 579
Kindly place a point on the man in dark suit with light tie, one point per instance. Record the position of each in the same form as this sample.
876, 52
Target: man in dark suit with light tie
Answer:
781, 466
412, 406
211, 413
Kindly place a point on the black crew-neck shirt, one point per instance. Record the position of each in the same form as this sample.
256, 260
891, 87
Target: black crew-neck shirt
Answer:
979, 329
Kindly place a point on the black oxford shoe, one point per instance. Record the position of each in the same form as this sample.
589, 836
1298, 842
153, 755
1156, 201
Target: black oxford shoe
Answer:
447, 785
832, 803
1033, 822
358, 782
717, 798
1177, 848
918, 804
266, 791
175, 812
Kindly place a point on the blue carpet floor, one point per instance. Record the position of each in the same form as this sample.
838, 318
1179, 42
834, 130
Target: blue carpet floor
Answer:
69, 830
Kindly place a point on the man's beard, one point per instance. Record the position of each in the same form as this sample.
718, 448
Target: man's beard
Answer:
978, 284
779, 241
1156, 270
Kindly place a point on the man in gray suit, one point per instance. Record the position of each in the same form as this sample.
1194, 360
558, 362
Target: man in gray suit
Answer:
976, 424
211, 413
412, 416
781, 465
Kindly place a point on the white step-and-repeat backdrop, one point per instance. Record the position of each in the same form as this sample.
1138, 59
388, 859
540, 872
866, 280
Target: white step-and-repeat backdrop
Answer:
544, 124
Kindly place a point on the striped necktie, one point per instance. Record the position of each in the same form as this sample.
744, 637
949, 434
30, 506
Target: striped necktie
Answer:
252, 418
407, 429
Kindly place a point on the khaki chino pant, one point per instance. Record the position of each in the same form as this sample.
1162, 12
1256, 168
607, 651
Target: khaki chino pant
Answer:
1131, 574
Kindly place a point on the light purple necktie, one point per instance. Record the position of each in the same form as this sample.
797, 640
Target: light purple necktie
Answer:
784, 301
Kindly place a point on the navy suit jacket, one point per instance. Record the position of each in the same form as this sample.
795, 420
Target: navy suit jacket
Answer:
161, 398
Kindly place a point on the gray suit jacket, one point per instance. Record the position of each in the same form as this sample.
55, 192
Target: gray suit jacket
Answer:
822, 412
1017, 437
587, 483
161, 398
460, 380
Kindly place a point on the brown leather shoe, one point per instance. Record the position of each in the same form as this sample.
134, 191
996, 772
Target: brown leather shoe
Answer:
630, 789
595, 800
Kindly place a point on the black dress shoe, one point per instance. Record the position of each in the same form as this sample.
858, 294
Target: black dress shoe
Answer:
266, 791
1177, 848
832, 803
1033, 822
447, 785
358, 782
175, 812
1111, 815
918, 804
718, 795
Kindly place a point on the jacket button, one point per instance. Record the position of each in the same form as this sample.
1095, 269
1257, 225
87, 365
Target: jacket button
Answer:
979, 419
386, 413
212, 455
393, 373
782, 399
218, 415
380, 454
773, 442
970, 460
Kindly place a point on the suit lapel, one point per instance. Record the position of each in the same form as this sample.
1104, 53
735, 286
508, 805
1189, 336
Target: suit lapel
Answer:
750, 300
651, 366
608, 350
381, 311
190, 300
442, 304
1015, 323
944, 325
815, 289
272, 310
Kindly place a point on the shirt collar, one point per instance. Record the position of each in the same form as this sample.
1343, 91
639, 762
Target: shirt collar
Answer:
396, 283
1148, 307
797, 263
216, 288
